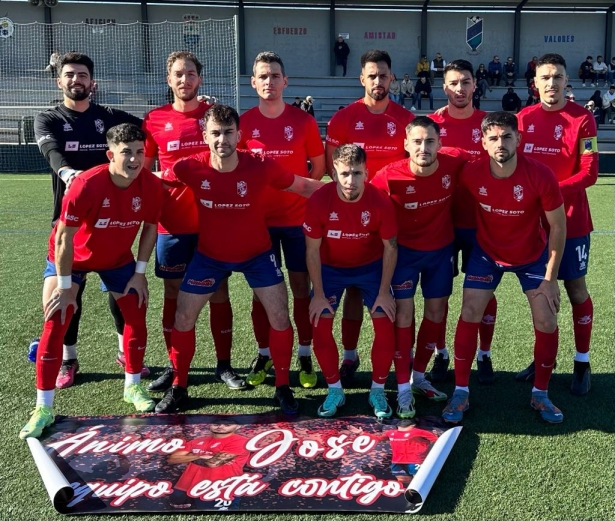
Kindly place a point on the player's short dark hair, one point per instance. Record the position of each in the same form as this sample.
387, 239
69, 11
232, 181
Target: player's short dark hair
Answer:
423, 122
349, 154
500, 119
124, 133
375, 56
186, 56
407, 423
459, 66
224, 114
552, 59
76, 58
268, 57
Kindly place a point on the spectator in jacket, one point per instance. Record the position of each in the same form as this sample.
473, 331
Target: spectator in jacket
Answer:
608, 103
481, 79
511, 101
530, 71
407, 88
422, 89
600, 70
437, 67
569, 95
586, 71
341, 51
494, 70
422, 67
610, 73
395, 90
510, 72
308, 105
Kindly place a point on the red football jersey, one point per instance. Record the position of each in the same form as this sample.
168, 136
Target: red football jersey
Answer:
565, 141
108, 217
380, 135
465, 134
351, 232
231, 205
423, 204
410, 446
172, 135
210, 446
290, 139
509, 214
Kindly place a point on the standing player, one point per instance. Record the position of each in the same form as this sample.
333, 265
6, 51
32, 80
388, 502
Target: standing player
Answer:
101, 216
175, 131
377, 125
562, 135
291, 137
351, 242
71, 137
512, 191
460, 127
216, 457
422, 192
231, 188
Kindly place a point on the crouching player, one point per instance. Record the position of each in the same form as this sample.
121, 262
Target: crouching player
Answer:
513, 192
351, 241
101, 216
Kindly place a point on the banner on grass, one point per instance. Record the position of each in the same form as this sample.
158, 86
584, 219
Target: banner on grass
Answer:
190, 463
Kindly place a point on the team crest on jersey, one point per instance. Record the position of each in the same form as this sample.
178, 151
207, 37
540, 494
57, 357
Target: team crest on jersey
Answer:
136, 204
242, 188
288, 133
365, 218
168, 126
518, 192
333, 216
530, 128
202, 124
106, 203
67, 127
205, 185
446, 181
391, 128
410, 189
557, 133
359, 125
442, 132
482, 191
256, 133
100, 125
476, 135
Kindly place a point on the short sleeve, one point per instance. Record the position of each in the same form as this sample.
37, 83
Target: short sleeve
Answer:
388, 221
336, 130
277, 176
313, 142
381, 182
153, 188
312, 225
550, 193
151, 148
76, 204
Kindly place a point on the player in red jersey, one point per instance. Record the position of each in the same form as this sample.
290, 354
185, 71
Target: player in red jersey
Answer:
230, 187
513, 193
175, 131
101, 216
220, 455
422, 192
351, 241
377, 125
562, 135
460, 125
291, 137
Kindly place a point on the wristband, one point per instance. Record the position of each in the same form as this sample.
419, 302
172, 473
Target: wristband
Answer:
65, 282
141, 267
67, 174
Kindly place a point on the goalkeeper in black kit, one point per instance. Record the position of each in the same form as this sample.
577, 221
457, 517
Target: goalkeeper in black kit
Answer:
71, 137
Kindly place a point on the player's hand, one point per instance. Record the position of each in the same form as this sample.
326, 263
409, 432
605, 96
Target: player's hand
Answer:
60, 300
138, 282
441, 111
387, 303
317, 306
69, 181
355, 430
550, 289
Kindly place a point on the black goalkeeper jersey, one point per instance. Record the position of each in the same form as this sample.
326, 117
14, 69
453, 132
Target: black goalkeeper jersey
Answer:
68, 138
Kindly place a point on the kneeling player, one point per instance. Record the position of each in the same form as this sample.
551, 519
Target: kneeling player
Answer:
512, 191
101, 216
346, 225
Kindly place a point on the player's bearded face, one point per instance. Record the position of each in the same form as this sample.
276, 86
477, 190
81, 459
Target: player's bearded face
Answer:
350, 180
184, 80
269, 81
221, 138
422, 144
75, 82
223, 428
501, 143
458, 87
126, 159
551, 81
376, 78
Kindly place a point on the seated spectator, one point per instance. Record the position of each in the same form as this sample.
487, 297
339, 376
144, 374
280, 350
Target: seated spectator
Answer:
591, 106
308, 105
494, 70
530, 71
476, 96
422, 89
297, 102
600, 70
437, 67
534, 95
610, 73
510, 72
422, 68
608, 104
586, 71
569, 95
395, 90
481, 79
511, 101
407, 88
596, 97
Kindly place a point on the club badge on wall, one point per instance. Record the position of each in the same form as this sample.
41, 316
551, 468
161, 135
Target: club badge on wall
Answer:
6, 27
474, 33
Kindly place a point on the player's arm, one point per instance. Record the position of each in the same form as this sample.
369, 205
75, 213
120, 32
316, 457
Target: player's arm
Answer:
557, 241
62, 298
138, 282
586, 173
218, 459
329, 149
312, 257
389, 260
318, 167
304, 186
180, 457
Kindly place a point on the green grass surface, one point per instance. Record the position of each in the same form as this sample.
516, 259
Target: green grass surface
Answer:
507, 464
